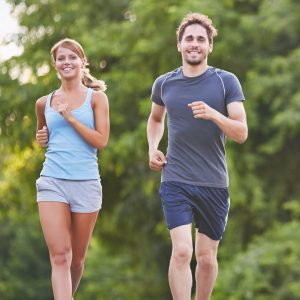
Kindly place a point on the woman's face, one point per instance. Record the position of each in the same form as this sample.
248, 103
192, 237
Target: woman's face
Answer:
67, 63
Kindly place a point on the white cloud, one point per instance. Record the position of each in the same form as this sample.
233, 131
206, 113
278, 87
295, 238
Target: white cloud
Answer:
9, 26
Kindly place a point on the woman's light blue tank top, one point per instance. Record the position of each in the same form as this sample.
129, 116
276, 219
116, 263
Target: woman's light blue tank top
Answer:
68, 155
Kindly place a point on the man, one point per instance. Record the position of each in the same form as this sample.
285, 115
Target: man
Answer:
203, 104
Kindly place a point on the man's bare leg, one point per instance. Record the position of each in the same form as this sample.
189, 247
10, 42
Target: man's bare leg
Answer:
180, 275
207, 266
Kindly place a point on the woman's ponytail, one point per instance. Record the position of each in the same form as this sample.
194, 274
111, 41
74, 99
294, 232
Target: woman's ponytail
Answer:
89, 81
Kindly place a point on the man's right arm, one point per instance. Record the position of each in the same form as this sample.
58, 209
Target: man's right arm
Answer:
155, 131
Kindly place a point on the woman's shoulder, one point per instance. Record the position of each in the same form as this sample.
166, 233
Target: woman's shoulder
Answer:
41, 102
99, 97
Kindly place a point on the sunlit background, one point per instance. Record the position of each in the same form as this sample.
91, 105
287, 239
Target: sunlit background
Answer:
9, 26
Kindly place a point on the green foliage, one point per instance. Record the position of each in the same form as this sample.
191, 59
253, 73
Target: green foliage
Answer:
268, 269
24, 262
120, 276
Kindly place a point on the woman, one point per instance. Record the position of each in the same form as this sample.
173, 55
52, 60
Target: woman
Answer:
75, 117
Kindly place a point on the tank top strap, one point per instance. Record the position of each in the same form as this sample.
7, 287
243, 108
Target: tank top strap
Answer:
88, 98
48, 100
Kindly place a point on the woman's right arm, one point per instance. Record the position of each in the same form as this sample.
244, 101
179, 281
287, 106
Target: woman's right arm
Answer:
41, 126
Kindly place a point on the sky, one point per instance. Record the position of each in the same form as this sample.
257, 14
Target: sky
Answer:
8, 25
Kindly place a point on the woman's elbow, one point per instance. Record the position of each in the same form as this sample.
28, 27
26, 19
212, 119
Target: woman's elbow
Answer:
101, 145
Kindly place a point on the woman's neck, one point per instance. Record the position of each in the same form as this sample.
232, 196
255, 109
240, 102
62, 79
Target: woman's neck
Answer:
69, 86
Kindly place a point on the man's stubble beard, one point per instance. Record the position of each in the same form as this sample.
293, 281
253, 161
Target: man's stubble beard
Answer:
194, 63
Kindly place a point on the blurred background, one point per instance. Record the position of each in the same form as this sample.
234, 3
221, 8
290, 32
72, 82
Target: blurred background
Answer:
129, 43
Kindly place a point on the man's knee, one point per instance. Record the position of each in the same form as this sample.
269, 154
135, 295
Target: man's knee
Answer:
207, 261
182, 253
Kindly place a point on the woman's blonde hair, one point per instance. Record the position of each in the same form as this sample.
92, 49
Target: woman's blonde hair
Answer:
87, 79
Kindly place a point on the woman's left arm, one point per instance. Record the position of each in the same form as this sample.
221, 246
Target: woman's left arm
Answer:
97, 137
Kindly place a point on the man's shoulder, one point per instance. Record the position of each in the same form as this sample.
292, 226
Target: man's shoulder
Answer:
168, 75
231, 85
224, 74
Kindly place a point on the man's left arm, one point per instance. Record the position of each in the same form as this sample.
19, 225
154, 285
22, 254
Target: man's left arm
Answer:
234, 126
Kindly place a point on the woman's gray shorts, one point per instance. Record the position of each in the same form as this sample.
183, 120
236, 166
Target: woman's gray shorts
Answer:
83, 196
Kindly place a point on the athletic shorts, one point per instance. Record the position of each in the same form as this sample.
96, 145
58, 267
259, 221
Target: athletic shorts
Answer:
83, 196
208, 206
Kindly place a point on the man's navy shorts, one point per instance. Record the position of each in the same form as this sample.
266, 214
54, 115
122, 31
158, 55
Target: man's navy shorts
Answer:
209, 206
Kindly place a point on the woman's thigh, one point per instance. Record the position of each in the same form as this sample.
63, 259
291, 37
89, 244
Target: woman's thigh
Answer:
55, 218
82, 226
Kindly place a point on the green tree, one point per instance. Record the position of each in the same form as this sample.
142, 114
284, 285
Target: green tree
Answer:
268, 269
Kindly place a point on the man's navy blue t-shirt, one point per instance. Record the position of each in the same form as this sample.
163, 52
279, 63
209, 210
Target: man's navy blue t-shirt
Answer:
196, 147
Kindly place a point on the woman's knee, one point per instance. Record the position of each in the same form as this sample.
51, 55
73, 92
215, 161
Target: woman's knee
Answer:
60, 257
77, 262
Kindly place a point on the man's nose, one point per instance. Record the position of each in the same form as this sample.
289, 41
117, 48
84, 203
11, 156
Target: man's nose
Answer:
194, 43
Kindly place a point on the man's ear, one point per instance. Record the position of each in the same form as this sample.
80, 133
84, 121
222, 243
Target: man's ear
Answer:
211, 47
178, 47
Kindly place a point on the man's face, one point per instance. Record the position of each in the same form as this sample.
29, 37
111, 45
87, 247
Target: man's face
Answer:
194, 46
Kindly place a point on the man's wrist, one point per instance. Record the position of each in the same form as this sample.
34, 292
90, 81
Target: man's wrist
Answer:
216, 117
151, 150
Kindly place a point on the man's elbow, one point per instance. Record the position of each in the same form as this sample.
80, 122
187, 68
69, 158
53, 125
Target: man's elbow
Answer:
242, 137
241, 140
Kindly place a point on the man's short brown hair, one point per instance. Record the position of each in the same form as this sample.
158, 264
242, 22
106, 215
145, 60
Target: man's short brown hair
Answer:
196, 18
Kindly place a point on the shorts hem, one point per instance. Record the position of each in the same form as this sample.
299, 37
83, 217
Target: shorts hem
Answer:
53, 200
85, 211
179, 224
210, 236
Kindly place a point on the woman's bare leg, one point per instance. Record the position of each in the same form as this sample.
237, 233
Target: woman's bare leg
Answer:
81, 232
55, 220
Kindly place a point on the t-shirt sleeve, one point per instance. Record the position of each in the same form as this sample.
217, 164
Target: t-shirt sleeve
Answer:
156, 91
233, 89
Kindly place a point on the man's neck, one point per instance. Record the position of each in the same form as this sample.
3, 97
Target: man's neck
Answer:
193, 71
